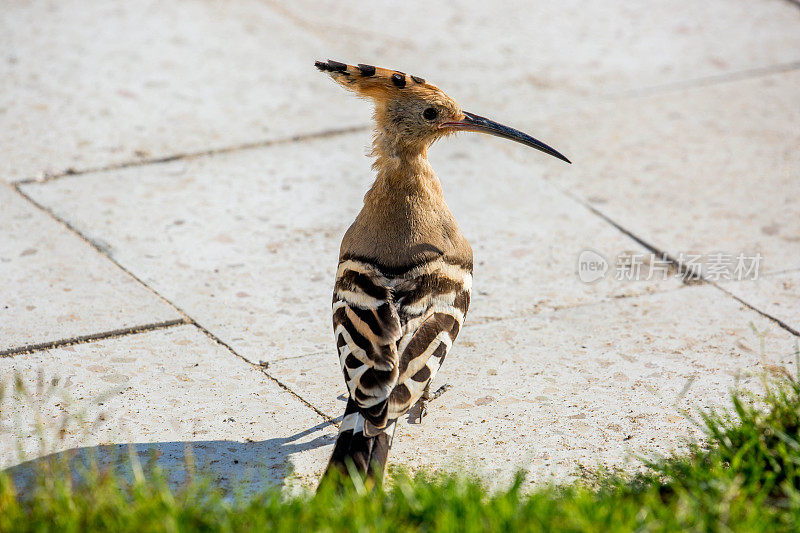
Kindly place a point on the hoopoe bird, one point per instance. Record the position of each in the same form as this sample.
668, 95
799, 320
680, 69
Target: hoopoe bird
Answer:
403, 284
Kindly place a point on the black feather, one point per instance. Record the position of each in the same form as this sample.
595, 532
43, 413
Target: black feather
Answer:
366, 70
367, 454
335, 66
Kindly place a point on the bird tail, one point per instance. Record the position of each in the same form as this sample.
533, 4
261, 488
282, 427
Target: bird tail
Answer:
366, 453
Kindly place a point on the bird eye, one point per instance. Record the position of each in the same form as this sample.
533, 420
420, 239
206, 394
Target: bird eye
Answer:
430, 113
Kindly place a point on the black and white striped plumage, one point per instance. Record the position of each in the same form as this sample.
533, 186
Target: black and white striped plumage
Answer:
393, 328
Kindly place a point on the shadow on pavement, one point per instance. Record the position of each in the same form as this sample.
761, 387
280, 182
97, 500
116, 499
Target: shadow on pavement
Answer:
233, 466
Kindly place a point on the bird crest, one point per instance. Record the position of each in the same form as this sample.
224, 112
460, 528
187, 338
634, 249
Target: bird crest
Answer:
377, 82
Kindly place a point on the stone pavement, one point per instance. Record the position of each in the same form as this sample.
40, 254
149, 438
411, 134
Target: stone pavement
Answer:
175, 179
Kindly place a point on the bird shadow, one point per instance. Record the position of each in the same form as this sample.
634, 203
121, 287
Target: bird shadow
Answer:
235, 467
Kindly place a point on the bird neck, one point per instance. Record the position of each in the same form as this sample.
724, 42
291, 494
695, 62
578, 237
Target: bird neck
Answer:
402, 171
404, 220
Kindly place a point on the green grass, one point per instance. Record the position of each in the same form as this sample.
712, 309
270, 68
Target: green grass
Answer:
744, 477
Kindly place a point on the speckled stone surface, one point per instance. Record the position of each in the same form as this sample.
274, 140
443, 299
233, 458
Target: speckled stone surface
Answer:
517, 61
777, 294
702, 170
683, 125
89, 84
153, 81
589, 385
165, 392
56, 286
247, 243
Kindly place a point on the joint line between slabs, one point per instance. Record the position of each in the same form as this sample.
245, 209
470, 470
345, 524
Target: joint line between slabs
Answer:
85, 339
99, 250
556, 309
778, 321
679, 267
683, 269
263, 370
194, 155
265, 364
707, 81
186, 318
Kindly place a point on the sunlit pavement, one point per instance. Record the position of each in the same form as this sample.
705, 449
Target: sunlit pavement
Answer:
175, 180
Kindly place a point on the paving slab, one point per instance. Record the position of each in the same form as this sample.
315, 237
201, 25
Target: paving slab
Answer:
89, 84
163, 392
247, 243
93, 84
698, 171
590, 385
777, 295
512, 59
56, 286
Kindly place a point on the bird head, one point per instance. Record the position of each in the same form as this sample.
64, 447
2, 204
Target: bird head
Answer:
411, 113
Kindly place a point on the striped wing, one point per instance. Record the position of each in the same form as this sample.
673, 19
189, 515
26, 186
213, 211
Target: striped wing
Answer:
432, 302
367, 329
394, 331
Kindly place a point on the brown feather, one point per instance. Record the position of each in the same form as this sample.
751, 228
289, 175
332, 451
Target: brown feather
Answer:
405, 219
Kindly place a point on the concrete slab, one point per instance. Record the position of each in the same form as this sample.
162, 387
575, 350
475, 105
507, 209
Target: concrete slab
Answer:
56, 286
516, 60
587, 385
704, 170
164, 392
778, 295
247, 243
89, 84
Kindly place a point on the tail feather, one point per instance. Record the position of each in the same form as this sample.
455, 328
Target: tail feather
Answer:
367, 453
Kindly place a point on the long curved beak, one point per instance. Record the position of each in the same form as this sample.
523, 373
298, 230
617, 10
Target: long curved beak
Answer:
481, 124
